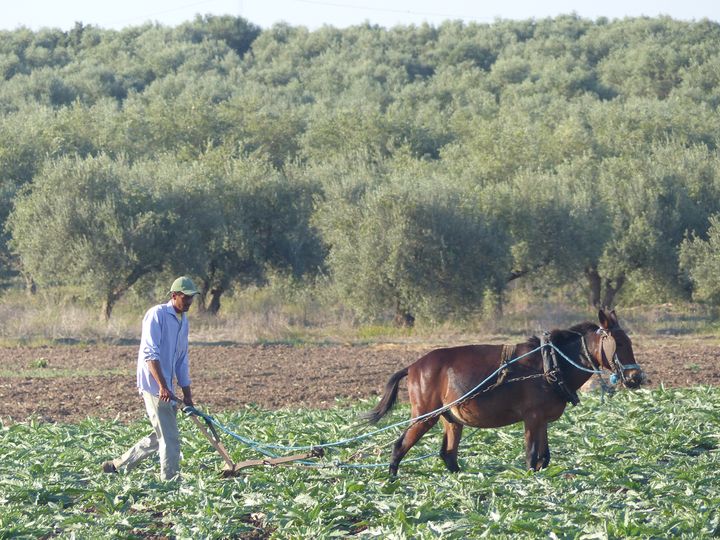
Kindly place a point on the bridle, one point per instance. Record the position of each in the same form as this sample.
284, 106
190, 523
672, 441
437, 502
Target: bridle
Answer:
607, 348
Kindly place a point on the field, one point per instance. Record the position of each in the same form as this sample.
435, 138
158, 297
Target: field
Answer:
641, 463
69, 383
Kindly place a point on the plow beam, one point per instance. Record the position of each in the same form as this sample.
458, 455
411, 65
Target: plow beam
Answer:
233, 469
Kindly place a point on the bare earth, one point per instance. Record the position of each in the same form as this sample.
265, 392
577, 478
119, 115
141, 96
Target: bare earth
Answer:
67, 383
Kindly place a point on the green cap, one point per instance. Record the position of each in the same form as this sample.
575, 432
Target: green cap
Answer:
184, 285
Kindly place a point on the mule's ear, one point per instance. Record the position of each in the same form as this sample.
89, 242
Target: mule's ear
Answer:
614, 319
603, 319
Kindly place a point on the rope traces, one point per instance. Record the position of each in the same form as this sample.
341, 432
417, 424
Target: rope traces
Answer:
268, 448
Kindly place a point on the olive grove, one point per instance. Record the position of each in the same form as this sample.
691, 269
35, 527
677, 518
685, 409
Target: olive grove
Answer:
421, 170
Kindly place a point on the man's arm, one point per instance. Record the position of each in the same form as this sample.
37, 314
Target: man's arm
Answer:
165, 392
187, 396
182, 372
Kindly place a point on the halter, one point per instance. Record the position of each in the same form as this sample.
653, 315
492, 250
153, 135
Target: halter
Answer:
619, 367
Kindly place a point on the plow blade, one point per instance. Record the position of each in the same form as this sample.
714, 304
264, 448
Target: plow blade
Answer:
236, 468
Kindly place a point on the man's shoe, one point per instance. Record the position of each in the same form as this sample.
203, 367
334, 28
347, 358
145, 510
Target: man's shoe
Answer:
109, 467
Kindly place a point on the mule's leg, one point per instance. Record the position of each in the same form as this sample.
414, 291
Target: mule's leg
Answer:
452, 432
544, 448
537, 451
406, 441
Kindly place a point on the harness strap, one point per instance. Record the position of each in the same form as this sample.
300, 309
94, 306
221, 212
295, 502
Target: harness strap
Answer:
625, 367
620, 367
507, 353
585, 352
550, 363
552, 372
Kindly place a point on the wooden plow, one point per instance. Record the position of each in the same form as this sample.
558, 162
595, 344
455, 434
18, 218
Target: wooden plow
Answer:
233, 469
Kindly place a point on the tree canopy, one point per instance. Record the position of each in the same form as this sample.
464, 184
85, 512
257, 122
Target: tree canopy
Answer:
421, 168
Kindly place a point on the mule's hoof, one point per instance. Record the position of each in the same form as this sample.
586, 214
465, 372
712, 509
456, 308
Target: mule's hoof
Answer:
109, 467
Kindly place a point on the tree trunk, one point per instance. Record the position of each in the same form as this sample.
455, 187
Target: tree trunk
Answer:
403, 319
214, 306
200, 302
114, 295
107, 306
202, 297
611, 290
595, 284
30, 286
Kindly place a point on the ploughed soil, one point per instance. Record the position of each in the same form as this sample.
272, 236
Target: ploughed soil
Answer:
67, 383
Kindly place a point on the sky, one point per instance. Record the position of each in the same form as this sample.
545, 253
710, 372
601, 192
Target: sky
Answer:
63, 14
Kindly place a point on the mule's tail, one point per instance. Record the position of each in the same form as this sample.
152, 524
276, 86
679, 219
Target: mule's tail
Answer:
388, 399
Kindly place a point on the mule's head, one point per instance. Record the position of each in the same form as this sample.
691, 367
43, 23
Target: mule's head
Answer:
615, 351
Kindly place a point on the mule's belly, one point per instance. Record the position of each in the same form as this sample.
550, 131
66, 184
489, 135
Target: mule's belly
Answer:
498, 411
471, 414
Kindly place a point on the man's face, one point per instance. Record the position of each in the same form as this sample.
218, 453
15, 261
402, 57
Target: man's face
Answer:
182, 302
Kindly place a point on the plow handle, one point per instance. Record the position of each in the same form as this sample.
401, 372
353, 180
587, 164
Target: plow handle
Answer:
216, 444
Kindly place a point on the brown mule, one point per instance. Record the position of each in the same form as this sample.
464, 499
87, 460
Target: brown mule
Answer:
534, 389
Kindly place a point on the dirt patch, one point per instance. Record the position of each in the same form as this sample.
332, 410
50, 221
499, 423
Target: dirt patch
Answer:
67, 383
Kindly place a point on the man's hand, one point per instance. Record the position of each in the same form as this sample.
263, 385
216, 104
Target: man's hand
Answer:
187, 396
166, 395
165, 392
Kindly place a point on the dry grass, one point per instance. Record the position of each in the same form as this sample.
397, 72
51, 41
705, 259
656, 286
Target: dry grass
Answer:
31, 320
262, 315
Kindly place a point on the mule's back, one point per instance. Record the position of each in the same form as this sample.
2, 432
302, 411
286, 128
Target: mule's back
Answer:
476, 359
450, 371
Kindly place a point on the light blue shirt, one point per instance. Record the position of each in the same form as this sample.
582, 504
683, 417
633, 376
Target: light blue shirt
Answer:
165, 339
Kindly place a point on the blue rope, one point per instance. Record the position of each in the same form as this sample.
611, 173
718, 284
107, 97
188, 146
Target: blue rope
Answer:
340, 465
581, 368
262, 447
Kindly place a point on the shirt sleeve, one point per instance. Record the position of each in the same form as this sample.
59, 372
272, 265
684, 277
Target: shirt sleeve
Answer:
151, 337
182, 367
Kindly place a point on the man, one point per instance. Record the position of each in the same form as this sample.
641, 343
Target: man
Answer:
163, 358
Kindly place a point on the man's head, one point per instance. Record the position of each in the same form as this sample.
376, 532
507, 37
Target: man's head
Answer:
182, 292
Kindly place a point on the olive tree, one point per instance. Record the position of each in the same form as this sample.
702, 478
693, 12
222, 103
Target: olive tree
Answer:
24, 141
411, 246
655, 201
557, 223
700, 262
91, 223
238, 217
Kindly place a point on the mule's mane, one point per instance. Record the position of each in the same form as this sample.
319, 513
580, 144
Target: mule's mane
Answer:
561, 337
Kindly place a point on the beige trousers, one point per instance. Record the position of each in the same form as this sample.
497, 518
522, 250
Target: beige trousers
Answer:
165, 439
